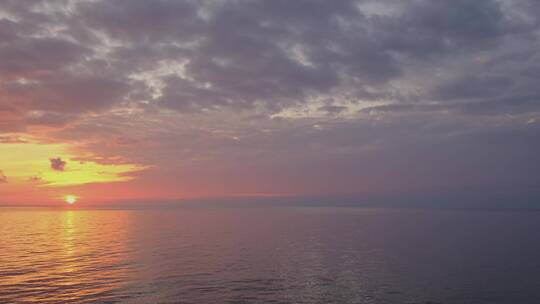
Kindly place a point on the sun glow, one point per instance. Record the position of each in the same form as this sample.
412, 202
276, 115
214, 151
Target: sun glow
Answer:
70, 199
29, 163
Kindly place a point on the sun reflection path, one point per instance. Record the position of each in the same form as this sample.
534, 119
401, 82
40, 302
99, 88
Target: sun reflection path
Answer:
56, 256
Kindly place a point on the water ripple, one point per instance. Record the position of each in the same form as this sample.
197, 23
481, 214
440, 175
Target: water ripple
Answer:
274, 255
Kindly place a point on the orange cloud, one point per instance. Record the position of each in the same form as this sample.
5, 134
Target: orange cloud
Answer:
3, 178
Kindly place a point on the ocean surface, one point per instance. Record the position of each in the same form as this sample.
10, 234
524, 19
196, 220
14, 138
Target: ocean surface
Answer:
269, 255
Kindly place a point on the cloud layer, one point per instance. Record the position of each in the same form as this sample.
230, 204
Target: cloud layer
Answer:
374, 98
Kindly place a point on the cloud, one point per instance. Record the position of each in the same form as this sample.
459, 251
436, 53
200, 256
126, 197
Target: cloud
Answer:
12, 139
200, 56
392, 95
3, 178
57, 164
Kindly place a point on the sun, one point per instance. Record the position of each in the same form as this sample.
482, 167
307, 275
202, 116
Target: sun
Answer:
70, 199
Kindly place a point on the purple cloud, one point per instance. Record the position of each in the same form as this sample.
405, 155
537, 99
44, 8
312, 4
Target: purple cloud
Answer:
57, 164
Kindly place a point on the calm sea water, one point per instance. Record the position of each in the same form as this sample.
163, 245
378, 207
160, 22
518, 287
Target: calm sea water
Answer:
269, 255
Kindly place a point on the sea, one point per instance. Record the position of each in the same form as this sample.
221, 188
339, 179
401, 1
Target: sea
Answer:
269, 255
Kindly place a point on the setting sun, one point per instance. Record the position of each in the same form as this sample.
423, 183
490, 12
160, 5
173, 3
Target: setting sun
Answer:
70, 199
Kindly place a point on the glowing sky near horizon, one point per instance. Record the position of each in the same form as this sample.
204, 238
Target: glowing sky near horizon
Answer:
378, 100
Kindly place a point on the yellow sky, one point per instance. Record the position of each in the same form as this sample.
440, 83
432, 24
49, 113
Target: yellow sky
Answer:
29, 163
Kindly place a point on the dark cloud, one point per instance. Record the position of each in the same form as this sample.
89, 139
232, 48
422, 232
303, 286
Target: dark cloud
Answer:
428, 28
57, 164
3, 178
239, 53
244, 53
161, 20
31, 57
474, 86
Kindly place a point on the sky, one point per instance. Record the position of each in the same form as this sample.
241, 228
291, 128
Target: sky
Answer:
393, 101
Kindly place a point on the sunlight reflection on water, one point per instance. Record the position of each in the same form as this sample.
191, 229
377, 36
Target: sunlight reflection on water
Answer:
50, 256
